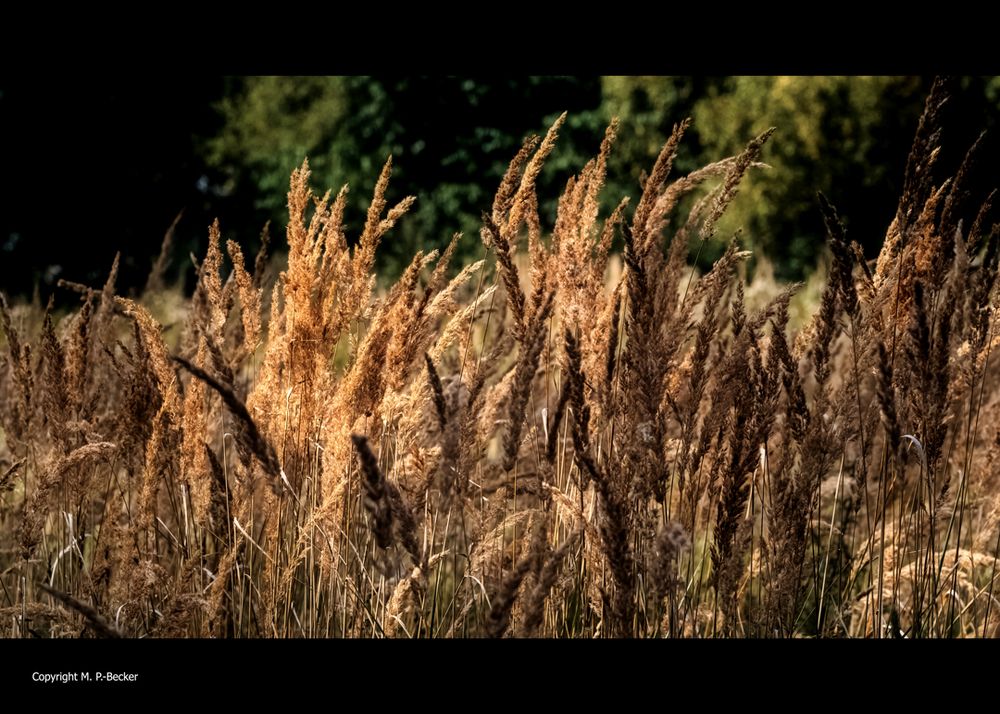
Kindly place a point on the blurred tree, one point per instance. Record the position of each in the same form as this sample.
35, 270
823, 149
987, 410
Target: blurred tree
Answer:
845, 136
135, 154
648, 108
450, 137
270, 124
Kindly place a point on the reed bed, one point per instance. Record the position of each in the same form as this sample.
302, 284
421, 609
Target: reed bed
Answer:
559, 440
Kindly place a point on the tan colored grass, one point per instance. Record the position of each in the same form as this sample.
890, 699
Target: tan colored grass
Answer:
557, 440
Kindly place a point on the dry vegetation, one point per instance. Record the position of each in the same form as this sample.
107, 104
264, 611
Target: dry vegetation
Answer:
558, 447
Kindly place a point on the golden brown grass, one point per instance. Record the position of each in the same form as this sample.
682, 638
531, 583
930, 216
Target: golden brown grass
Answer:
554, 447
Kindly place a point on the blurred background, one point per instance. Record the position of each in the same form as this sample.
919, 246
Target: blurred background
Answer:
96, 164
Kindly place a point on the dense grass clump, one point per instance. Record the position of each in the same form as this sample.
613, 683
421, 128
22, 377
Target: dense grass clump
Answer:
552, 441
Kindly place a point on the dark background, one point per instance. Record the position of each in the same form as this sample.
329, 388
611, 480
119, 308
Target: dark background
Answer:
97, 163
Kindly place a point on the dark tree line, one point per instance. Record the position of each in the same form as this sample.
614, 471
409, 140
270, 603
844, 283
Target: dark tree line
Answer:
97, 164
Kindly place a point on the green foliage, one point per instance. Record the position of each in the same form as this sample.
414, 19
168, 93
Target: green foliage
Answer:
844, 136
273, 123
648, 108
451, 139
